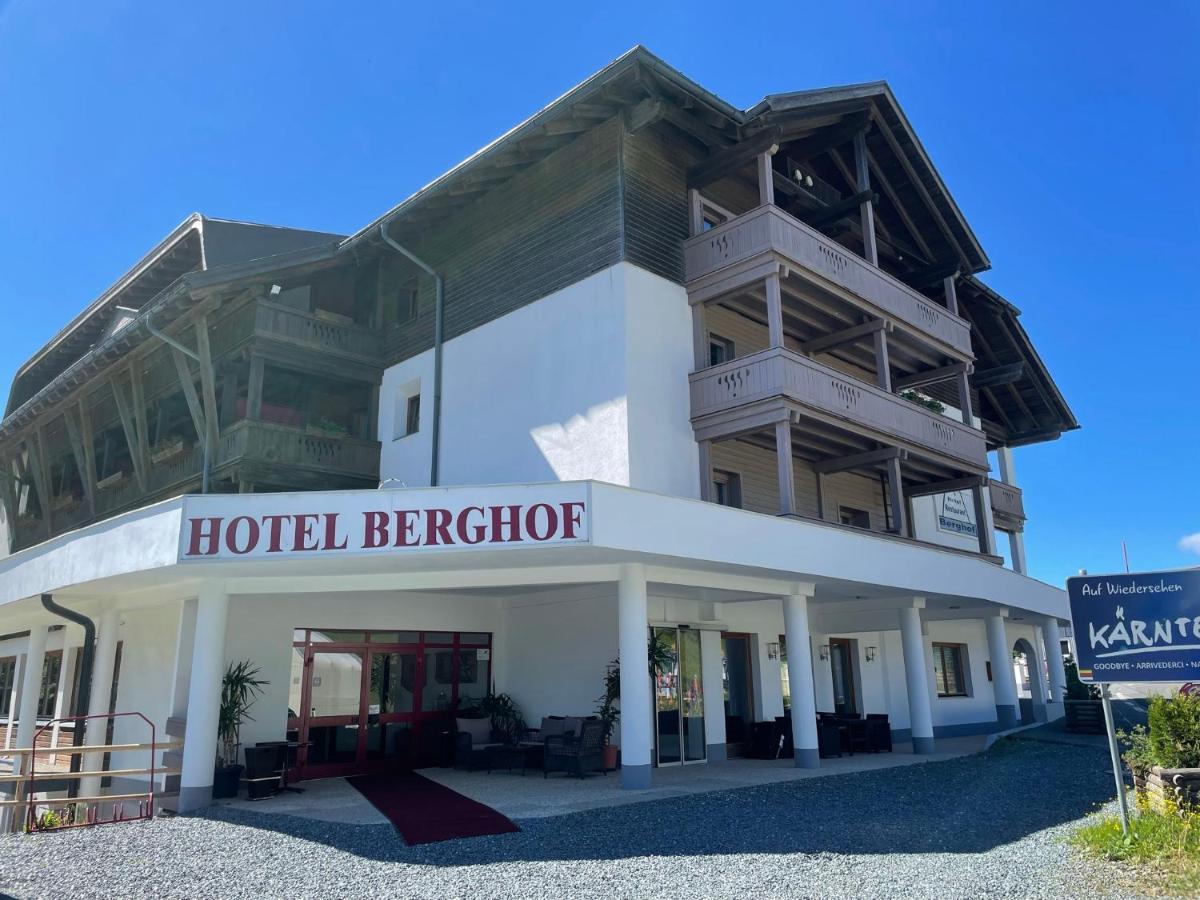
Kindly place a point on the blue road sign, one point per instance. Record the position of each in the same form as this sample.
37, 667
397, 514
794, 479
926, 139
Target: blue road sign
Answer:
1139, 627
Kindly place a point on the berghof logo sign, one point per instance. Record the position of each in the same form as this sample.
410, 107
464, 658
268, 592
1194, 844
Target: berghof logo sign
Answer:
279, 525
1138, 627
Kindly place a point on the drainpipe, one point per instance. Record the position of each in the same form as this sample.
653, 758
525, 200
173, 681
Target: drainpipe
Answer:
83, 696
171, 342
437, 350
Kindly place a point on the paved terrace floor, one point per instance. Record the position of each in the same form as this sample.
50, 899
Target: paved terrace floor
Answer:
533, 797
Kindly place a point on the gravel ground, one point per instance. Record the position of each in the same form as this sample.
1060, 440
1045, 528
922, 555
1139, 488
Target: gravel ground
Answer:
990, 825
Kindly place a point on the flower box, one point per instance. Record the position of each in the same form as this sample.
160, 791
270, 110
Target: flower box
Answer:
1170, 790
111, 481
334, 318
65, 502
166, 451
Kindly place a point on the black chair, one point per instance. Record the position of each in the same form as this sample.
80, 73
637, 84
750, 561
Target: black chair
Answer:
474, 740
829, 738
879, 733
576, 755
264, 771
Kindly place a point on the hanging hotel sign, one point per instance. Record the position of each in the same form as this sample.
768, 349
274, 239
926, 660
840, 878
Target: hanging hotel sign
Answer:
273, 526
1139, 627
955, 515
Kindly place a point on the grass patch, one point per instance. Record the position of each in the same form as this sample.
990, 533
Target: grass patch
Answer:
1162, 850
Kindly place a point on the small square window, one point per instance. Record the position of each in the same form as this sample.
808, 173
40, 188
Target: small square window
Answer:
720, 350
412, 415
858, 518
727, 488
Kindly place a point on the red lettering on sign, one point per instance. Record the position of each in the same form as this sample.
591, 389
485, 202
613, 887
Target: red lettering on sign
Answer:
572, 518
375, 529
437, 527
471, 534
275, 532
210, 536
531, 521
406, 528
512, 523
304, 531
330, 542
231, 535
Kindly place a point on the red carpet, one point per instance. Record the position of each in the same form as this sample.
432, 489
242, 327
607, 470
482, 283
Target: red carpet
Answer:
424, 811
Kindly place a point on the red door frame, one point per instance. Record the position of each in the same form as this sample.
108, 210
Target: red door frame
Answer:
419, 718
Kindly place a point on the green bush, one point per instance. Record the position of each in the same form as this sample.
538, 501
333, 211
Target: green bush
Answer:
1076, 689
1175, 732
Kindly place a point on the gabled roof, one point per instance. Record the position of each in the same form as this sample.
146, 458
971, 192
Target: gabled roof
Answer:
199, 243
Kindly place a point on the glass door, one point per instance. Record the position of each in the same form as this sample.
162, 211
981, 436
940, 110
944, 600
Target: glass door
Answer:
679, 699
841, 666
738, 687
391, 702
333, 712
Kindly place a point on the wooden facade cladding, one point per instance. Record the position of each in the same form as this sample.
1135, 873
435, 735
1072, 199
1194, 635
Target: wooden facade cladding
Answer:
722, 396
768, 232
1008, 506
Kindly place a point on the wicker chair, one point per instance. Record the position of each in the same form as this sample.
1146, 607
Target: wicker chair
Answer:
576, 755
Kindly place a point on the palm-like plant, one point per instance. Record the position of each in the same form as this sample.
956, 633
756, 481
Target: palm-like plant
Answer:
240, 687
660, 657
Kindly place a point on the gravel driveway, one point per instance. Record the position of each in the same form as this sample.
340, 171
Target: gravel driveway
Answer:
987, 825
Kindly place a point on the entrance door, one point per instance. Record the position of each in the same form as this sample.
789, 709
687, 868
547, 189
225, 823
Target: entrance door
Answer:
841, 665
738, 687
679, 699
364, 701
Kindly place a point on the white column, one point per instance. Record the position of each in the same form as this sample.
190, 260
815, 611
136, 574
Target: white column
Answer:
711, 677
1038, 689
916, 677
637, 742
103, 663
35, 658
14, 703
800, 678
1052, 639
204, 697
1004, 684
72, 638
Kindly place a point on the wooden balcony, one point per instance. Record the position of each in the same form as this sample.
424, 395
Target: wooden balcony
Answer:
768, 231
282, 446
723, 399
316, 331
1008, 506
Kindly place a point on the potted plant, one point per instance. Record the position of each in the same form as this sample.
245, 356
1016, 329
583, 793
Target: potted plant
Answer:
239, 689
660, 658
504, 714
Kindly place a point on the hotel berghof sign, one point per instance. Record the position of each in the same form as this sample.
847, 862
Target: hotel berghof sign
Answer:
273, 526
1137, 627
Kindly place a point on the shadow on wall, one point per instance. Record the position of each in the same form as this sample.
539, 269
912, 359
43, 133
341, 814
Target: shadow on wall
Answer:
929, 808
591, 446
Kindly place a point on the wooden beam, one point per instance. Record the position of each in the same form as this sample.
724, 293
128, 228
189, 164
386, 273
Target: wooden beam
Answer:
40, 467
883, 365
945, 487
138, 398
254, 388
189, 391
785, 469
722, 162
208, 380
77, 451
846, 336
896, 498
932, 376
806, 148
986, 378
932, 274
130, 429
693, 127
644, 115
866, 209
859, 460
840, 210
88, 436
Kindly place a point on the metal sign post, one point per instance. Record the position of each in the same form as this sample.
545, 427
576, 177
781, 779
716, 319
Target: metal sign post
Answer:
1115, 753
1140, 627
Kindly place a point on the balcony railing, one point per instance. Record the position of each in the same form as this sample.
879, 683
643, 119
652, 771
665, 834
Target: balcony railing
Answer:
769, 229
283, 445
316, 332
1008, 506
781, 373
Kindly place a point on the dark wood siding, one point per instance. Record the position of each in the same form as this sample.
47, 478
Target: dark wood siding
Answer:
656, 214
553, 225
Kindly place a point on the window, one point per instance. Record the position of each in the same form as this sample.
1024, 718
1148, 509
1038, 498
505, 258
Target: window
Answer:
949, 671
720, 350
727, 488
407, 304
859, 518
8, 677
49, 689
412, 415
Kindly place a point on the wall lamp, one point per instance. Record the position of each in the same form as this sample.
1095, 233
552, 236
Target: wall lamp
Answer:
772, 651
870, 654
824, 651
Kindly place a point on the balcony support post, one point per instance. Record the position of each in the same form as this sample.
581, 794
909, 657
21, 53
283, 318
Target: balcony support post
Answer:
883, 366
951, 293
964, 397
766, 178
783, 459
1016, 539
695, 212
254, 388
774, 310
983, 525
706, 479
896, 497
866, 210
820, 496
700, 335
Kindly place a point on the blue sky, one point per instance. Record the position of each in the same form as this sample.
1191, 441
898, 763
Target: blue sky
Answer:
1069, 133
